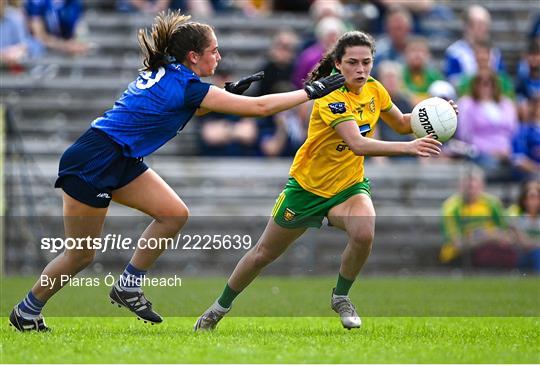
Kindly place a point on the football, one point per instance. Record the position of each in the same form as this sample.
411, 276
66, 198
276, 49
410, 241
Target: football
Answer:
434, 115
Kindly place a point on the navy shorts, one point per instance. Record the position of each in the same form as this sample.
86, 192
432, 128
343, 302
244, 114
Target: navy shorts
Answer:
94, 166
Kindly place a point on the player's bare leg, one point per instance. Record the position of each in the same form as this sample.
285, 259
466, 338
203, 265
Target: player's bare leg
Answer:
80, 221
150, 194
272, 243
357, 217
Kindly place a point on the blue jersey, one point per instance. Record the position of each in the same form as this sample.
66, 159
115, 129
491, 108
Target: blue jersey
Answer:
154, 109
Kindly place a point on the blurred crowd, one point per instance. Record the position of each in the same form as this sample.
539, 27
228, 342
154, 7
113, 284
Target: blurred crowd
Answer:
499, 120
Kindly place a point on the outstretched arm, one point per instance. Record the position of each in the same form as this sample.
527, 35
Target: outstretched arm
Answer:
218, 100
360, 145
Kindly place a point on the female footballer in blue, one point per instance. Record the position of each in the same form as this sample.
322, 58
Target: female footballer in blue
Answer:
106, 162
327, 176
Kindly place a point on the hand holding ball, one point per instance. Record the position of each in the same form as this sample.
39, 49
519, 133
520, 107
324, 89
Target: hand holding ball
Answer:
436, 116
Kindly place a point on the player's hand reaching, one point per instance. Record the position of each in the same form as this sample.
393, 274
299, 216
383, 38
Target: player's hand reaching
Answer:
320, 88
240, 86
425, 146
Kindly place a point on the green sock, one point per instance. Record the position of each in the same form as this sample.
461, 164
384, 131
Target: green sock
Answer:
343, 286
227, 297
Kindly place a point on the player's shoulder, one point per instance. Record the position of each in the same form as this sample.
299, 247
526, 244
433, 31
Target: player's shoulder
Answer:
452, 202
374, 84
181, 72
338, 95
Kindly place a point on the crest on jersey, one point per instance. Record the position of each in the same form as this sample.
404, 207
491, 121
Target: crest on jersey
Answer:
337, 107
289, 214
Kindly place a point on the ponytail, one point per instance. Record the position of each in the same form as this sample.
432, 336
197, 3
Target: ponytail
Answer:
171, 38
323, 68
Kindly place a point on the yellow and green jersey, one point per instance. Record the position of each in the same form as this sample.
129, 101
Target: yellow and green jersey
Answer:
461, 219
324, 164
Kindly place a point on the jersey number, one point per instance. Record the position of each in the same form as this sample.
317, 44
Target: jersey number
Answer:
147, 79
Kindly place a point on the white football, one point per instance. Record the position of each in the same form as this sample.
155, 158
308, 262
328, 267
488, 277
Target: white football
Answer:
434, 115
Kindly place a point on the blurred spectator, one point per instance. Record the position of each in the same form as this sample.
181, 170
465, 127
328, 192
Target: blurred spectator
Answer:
459, 57
487, 122
391, 76
525, 221
420, 10
227, 135
320, 9
474, 227
526, 144
283, 133
54, 23
534, 33
418, 73
327, 32
528, 78
202, 8
391, 46
145, 6
13, 39
442, 89
279, 64
482, 55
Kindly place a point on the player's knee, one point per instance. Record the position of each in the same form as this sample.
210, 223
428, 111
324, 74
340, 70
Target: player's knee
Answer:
362, 238
174, 218
262, 258
80, 258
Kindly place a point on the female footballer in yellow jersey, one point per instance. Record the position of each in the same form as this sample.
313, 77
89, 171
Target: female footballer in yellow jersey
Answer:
327, 176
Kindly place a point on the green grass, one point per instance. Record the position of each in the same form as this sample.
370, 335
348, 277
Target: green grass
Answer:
405, 320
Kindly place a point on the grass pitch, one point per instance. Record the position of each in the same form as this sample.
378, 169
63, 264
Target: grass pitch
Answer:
439, 321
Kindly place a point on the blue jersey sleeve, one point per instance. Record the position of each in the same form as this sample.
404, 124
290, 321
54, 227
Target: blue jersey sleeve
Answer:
195, 92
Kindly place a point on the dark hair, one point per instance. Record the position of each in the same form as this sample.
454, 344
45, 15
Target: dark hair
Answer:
349, 39
172, 35
478, 78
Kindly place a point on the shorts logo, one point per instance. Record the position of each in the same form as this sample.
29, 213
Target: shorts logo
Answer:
337, 108
103, 195
289, 214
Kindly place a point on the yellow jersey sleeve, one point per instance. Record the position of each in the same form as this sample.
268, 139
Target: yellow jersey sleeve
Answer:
386, 101
334, 108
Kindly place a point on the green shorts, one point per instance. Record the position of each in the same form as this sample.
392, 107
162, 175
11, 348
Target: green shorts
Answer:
295, 207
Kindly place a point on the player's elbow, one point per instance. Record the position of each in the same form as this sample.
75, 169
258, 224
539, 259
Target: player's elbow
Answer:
262, 110
358, 149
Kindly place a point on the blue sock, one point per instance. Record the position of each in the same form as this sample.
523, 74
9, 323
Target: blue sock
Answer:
30, 307
131, 279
